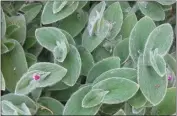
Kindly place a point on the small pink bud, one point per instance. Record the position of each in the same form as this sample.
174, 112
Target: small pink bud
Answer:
36, 76
170, 77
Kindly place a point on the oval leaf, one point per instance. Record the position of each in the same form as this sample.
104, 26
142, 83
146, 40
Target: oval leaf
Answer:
89, 38
13, 65
113, 14
160, 38
122, 50
117, 87
138, 38
151, 83
77, 20
57, 72
30, 11
87, 60
93, 98
152, 9
48, 16
48, 37
73, 64
102, 66
128, 24
128, 73
158, 63
74, 104
19, 99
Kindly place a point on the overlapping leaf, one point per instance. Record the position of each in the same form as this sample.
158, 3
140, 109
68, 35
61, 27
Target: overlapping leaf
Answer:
102, 66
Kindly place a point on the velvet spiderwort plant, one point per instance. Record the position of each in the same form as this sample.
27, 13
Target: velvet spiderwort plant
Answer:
88, 57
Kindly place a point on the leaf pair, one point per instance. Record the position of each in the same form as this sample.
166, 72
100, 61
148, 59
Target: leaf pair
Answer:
9, 108
102, 24
54, 40
109, 91
18, 105
60, 13
48, 75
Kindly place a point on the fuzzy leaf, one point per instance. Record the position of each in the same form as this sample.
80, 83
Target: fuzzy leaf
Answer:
49, 106
168, 104
128, 73
166, 2
60, 51
113, 14
128, 24
138, 100
120, 112
49, 36
151, 84
57, 72
152, 9
102, 66
74, 104
48, 16
58, 6
9, 106
77, 20
20, 99
117, 87
30, 11
122, 50
93, 98
138, 38
87, 60
16, 28
73, 64
31, 59
13, 65
160, 38
3, 24
158, 63
27, 84
95, 17
96, 23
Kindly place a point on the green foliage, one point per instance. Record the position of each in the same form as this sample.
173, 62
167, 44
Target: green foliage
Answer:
88, 57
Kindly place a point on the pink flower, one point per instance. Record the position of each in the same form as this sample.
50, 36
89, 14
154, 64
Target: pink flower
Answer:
170, 77
36, 76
